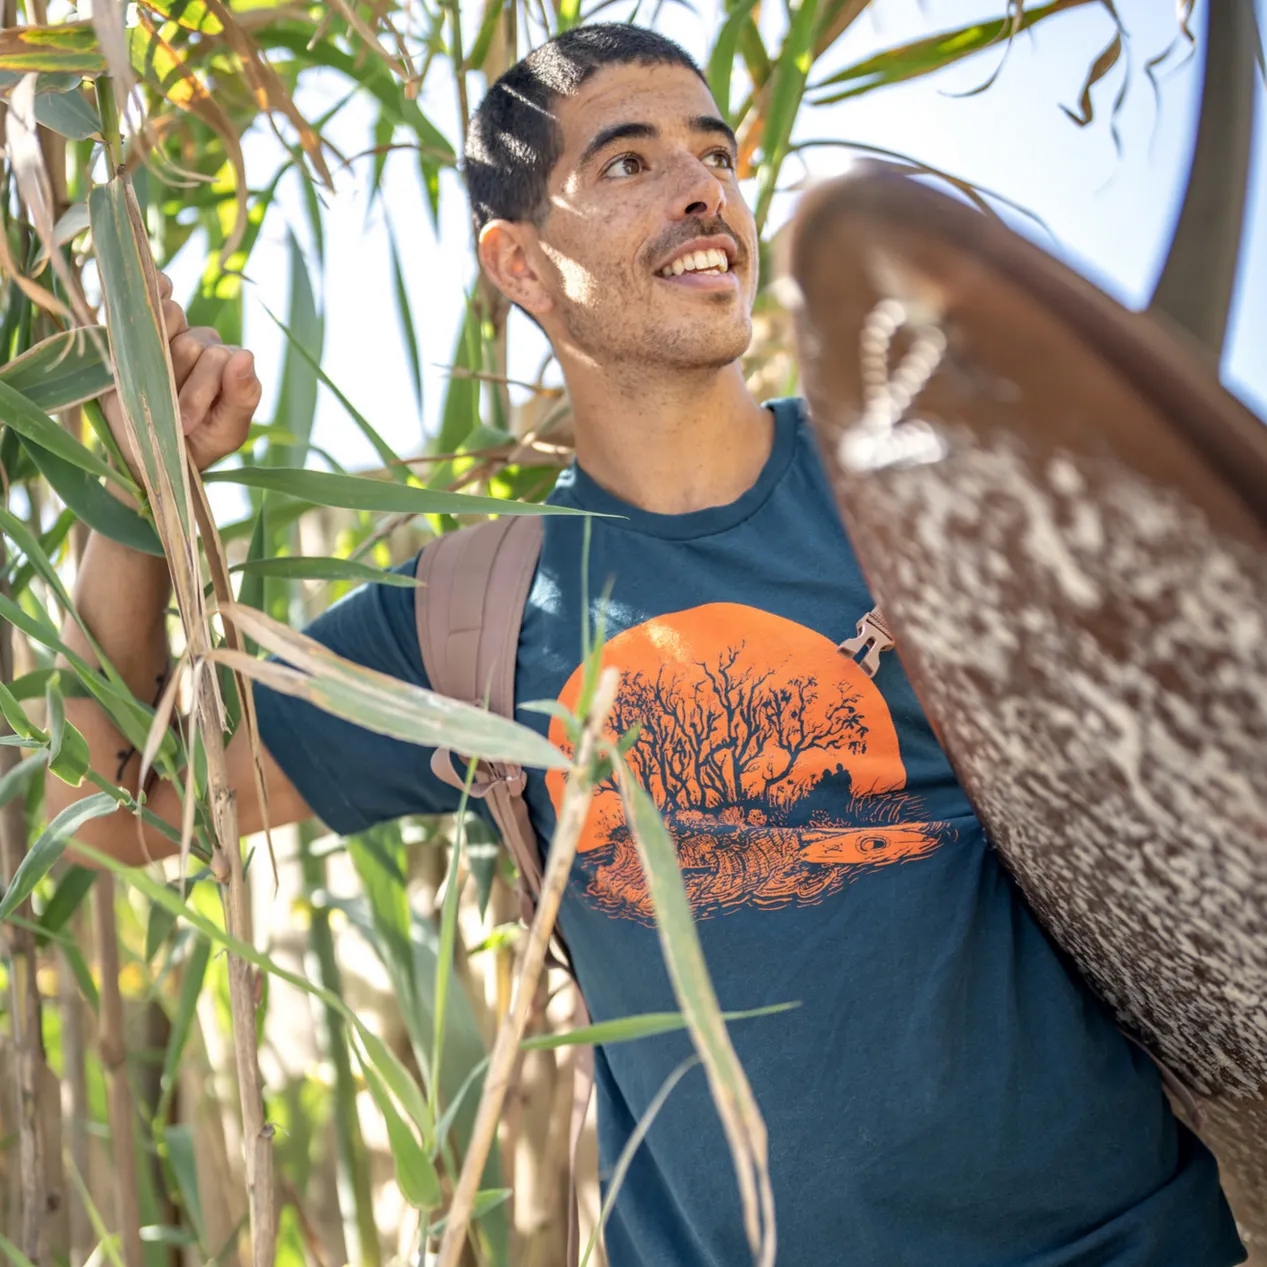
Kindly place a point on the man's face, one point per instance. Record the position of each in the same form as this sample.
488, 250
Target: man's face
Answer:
653, 250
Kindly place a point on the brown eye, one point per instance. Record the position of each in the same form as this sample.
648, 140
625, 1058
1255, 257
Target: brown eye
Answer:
720, 158
624, 166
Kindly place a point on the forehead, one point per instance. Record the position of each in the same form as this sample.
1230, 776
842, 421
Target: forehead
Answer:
667, 97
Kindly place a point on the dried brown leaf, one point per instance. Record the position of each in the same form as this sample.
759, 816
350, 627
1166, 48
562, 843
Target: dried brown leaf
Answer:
182, 87
218, 567
269, 91
1104, 63
26, 158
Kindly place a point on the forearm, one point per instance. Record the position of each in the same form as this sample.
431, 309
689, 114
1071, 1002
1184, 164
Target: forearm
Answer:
121, 596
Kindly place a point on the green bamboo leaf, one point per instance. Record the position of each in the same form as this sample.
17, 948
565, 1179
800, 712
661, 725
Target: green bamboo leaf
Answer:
786, 87
68, 114
131, 717
74, 885
13, 782
63, 370
404, 313
9, 79
193, 974
933, 53
721, 61
73, 762
474, 1075
360, 492
56, 711
416, 1173
317, 568
34, 424
69, 47
484, 1202
628, 1028
79, 969
193, 15
461, 414
379, 702
14, 1254
100, 510
305, 334
31, 685
140, 351
178, 1141
50, 846
493, 10
157, 929
25, 540
398, 1079
67, 749
13, 712
632, 1144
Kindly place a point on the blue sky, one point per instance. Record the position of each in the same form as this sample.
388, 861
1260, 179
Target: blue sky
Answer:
1110, 214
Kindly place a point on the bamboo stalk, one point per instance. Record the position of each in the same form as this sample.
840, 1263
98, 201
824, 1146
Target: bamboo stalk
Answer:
74, 1100
257, 1134
113, 1052
24, 1008
572, 814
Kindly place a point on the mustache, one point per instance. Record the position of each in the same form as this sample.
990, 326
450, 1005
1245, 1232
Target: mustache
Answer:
696, 227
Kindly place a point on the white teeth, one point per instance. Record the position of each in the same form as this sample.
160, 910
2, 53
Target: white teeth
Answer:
697, 262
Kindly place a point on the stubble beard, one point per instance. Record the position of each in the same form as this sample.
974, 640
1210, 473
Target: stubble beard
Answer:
610, 339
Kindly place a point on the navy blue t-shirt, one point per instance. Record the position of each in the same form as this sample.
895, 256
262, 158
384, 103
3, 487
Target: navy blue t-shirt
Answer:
948, 1093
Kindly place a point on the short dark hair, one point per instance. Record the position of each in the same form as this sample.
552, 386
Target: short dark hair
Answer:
514, 139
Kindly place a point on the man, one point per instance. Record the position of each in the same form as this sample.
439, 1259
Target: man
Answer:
948, 1092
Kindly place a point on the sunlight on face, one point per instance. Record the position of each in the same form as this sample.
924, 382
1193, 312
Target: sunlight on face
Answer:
654, 247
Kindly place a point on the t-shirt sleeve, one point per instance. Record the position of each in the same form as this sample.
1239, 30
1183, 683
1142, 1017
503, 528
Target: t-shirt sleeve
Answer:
353, 778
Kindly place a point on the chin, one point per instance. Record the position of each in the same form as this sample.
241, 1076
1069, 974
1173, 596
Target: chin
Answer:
705, 345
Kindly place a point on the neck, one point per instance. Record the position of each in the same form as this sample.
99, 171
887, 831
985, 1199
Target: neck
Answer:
672, 443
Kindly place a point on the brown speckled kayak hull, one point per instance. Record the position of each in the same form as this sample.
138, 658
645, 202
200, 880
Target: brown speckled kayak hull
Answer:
1067, 529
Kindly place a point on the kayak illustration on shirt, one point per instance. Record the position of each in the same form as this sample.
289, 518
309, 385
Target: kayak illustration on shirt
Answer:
772, 756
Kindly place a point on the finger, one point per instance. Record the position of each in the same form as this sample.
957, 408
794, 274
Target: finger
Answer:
164, 286
174, 320
201, 388
240, 391
188, 346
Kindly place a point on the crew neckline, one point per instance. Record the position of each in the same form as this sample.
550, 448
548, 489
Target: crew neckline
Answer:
577, 489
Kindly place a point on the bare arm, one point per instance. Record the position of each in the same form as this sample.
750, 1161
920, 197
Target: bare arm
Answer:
122, 596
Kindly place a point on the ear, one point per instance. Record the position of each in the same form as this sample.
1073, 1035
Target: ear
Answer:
506, 250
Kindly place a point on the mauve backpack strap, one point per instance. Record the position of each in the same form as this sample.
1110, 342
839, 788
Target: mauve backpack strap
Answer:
469, 609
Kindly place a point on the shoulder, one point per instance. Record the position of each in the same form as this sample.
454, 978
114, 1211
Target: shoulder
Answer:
375, 626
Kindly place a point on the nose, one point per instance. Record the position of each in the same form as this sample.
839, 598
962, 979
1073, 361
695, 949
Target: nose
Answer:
699, 192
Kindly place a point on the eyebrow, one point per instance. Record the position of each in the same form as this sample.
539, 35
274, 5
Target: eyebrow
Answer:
705, 123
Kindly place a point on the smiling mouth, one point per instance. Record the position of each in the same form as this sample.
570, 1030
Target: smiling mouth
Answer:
707, 263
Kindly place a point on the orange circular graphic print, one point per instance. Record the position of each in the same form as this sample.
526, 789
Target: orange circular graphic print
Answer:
772, 756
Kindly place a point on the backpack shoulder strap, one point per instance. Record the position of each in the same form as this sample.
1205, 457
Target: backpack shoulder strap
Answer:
469, 608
